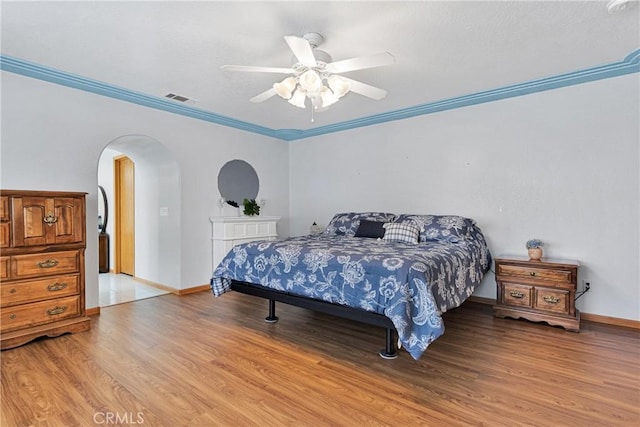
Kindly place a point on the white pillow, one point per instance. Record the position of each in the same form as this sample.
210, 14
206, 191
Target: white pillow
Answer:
407, 232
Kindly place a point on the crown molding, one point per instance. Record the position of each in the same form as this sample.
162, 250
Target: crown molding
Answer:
36, 71
630, 64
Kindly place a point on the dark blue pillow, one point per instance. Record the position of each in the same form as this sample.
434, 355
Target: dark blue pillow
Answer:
346, 224
371, 229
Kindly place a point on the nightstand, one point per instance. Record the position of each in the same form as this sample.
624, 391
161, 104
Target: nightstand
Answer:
539, 291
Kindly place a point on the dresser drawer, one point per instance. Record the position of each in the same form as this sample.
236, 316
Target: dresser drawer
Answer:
38, 313
517, 295
532, 273
45, 264
4, 268
552, 300
13, 293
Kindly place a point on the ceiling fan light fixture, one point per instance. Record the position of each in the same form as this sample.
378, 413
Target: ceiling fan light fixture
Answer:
285, 88
314, 75
310, 81
328, 97
338, 85
298, 98
615, 6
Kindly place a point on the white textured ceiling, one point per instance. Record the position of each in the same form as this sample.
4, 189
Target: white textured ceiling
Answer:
443, 49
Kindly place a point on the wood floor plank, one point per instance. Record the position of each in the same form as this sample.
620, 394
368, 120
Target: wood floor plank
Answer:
196, 360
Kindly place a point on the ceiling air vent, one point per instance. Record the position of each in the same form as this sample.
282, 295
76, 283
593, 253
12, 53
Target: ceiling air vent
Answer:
179, 98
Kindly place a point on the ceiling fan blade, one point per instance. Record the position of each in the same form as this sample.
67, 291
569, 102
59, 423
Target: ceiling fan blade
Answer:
302, 50
361, 62
257, 69
263, 96
365, 90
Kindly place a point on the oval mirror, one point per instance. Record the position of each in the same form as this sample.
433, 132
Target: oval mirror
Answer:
103, 211
237, 181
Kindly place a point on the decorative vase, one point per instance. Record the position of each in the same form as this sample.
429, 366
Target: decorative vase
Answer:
535, 254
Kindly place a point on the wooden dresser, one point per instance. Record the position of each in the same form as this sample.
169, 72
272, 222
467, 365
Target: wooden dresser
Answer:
42, 244
540, 291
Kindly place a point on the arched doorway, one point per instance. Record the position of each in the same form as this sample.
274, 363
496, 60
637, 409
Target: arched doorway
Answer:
156, 223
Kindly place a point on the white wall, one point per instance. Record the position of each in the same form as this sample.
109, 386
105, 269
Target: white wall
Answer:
52, 138
562, 166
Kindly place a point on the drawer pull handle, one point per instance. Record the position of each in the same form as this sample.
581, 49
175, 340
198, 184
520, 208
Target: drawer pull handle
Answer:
48, 263
533, 273
13, 291
56, 310
50, 219
517, 294
12, 317
551, 299
56, 287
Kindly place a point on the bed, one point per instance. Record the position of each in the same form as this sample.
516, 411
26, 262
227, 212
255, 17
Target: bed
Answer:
400, 272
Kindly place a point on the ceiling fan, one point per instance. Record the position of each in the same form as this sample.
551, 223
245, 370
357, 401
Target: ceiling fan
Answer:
315, 77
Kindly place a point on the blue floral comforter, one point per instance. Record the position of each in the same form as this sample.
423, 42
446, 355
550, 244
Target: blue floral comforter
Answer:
412, 284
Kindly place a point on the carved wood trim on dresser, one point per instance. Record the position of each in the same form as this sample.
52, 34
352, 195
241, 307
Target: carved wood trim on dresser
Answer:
42, 274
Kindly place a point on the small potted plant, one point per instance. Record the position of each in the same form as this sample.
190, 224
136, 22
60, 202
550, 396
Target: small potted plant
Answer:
251, 207
534, 248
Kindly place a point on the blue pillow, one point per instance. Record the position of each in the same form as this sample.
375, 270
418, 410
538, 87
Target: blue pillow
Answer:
449, 228
346, 224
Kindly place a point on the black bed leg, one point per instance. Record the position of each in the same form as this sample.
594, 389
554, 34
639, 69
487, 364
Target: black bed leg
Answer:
272, 318
390, 351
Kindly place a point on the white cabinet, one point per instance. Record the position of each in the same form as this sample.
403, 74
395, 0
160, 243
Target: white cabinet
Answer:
226, 232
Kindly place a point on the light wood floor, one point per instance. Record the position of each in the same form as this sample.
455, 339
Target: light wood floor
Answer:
197, 360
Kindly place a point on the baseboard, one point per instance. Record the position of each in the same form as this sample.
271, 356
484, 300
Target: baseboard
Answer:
157, 285
179, 292
93, 311
596, 318
627, 323
482, 300
193, 290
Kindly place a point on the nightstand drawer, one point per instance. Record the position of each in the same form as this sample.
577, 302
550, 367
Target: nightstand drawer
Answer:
532, 273
552, 300
517, 295
14, 293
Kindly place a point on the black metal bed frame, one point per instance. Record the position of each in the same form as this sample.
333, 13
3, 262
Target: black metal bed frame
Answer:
375, 319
